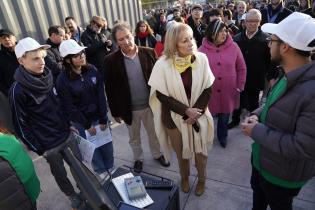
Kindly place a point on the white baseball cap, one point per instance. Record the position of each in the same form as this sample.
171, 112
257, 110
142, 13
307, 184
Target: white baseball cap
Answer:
297, 30
69, 47
28, 44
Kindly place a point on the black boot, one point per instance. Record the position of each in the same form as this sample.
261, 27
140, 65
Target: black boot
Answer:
235, 118
223, 143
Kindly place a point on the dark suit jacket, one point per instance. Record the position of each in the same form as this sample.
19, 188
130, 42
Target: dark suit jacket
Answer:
257, 58
282, 14
116, 81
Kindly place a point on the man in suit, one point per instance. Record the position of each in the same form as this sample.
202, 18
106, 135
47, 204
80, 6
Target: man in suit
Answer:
252, 42
274, 12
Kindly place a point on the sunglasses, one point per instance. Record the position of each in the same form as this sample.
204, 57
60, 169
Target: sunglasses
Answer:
98, 25
270, 40
79, 55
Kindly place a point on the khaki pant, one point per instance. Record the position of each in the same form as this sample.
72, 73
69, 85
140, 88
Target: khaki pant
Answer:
146, 117
184, 167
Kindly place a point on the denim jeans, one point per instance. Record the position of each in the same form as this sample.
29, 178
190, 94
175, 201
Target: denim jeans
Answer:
103, 157
222, 126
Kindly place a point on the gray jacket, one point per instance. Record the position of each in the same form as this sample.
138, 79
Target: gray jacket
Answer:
287, 138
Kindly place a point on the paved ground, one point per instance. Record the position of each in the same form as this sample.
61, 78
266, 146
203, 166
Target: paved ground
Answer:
227, 186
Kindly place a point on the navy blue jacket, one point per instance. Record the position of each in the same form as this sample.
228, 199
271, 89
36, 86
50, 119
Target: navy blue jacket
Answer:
40, 126
83, 96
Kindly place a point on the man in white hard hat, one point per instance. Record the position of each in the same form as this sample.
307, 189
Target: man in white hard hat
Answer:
38, 119
283, 152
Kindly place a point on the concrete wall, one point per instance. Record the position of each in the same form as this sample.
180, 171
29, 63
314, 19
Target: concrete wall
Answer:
33, 17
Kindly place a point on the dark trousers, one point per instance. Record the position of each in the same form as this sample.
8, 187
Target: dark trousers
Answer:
249, 100
222, 126
55, 159
266, 193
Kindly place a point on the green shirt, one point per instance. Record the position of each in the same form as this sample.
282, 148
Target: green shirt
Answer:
13, 152
275, 93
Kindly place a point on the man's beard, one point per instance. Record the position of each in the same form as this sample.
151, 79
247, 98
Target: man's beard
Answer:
277, 59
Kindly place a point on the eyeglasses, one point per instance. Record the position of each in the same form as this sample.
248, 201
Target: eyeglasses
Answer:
98, 25
270, 40
79, 55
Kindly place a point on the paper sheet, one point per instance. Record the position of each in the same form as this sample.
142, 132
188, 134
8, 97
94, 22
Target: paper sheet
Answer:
101, 137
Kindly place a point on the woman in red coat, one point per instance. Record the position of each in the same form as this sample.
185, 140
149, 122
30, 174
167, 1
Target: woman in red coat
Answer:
228, 66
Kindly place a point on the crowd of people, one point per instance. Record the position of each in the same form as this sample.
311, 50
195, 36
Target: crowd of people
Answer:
178, 70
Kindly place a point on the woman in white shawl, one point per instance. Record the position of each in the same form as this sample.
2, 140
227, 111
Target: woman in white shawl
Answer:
180, 91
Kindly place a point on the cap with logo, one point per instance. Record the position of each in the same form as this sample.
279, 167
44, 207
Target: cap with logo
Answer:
28, 44
69, 47
297, 30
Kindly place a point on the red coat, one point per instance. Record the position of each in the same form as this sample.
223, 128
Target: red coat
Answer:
228, 66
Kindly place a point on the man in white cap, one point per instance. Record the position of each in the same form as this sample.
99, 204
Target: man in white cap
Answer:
37, 116
283, 152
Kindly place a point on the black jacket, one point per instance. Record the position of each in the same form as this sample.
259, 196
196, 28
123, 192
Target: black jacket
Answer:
148, 41
96, 50
12, 193
117, 84
280, 11
8, 64
309, 12
198, 34
160, 29
40, 126
53, 60
257, 58
83, 97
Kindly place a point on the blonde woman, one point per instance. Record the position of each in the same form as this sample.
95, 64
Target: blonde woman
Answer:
180, 90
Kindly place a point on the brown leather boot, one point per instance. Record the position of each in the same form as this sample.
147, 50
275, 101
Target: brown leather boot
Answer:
200, 188
201, 164
185, 184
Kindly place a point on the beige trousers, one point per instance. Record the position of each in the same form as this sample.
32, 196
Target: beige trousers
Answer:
146, 117
184, 167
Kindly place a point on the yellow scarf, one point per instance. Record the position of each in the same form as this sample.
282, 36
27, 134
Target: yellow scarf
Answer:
182, 63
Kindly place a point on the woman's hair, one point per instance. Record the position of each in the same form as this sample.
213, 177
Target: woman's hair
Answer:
308, 5
213, 29
228, 13
172, 37
68, 66
149, 29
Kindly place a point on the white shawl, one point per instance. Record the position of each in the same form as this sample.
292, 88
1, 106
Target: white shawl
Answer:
167, 80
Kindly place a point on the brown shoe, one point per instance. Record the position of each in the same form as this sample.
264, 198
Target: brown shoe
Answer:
185, 185
200, 188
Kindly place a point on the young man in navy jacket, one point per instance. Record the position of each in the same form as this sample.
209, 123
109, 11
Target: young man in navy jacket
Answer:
37, 116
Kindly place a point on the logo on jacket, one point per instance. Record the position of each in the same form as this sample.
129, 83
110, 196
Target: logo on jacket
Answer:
93, 80
54, 91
